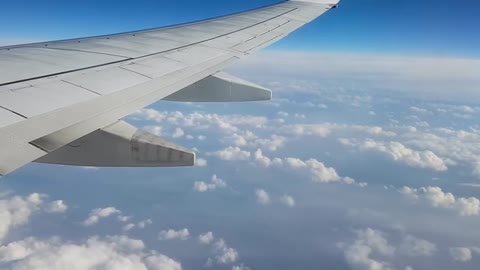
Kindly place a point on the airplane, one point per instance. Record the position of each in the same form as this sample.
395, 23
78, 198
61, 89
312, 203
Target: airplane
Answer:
61, 102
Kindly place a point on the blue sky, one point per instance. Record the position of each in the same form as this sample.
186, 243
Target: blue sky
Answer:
433, 28
367, 158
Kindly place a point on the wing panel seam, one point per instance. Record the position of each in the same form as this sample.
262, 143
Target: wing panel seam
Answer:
143, 56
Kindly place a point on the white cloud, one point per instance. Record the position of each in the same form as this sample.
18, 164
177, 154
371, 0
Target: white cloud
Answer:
262, 196
225, 254
114, 252
436, 197
206, 238
231, 153
399, 152
371, 250
240, 267
99, 213
265, 161
416, 247
320, 173
282, 114
16, 211
128, 227
140, 225
461, 254
178, 133
201, 121
419, 110
58, 206
288, 200
215, 183
358, 254
144, 223
170, 234
200, 162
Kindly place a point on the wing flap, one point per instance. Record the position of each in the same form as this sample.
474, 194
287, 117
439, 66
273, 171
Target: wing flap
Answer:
120, 145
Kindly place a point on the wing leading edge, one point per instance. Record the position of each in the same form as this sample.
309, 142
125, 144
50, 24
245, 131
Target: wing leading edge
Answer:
55, 94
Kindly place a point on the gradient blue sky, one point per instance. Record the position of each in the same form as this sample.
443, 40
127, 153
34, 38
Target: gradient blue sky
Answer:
427, 27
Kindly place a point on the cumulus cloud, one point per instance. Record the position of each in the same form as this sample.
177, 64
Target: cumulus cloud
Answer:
171, 234
114, 252
415, 247
317, 169
140, 225
324, 130
436, 197
287, 200
224, 253
178, 133
200, 162
249, 139
99, 213
201, 121
319, 172
240, 267
455, 146
358, 254
231, 153
399, 152
371, 250
58, 206
262, 196
16, 211
214, 183
461, 254
206, 238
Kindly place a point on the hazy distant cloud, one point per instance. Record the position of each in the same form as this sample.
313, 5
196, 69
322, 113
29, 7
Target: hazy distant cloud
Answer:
171, 234
424, 77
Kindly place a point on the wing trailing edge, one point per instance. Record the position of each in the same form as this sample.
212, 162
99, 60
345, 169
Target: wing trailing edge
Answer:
121, 145
221, 87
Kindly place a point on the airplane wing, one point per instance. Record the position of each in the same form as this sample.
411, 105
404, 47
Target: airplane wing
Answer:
61, 101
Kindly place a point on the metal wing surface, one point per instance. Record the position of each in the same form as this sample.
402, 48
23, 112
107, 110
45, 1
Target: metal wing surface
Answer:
61, 101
